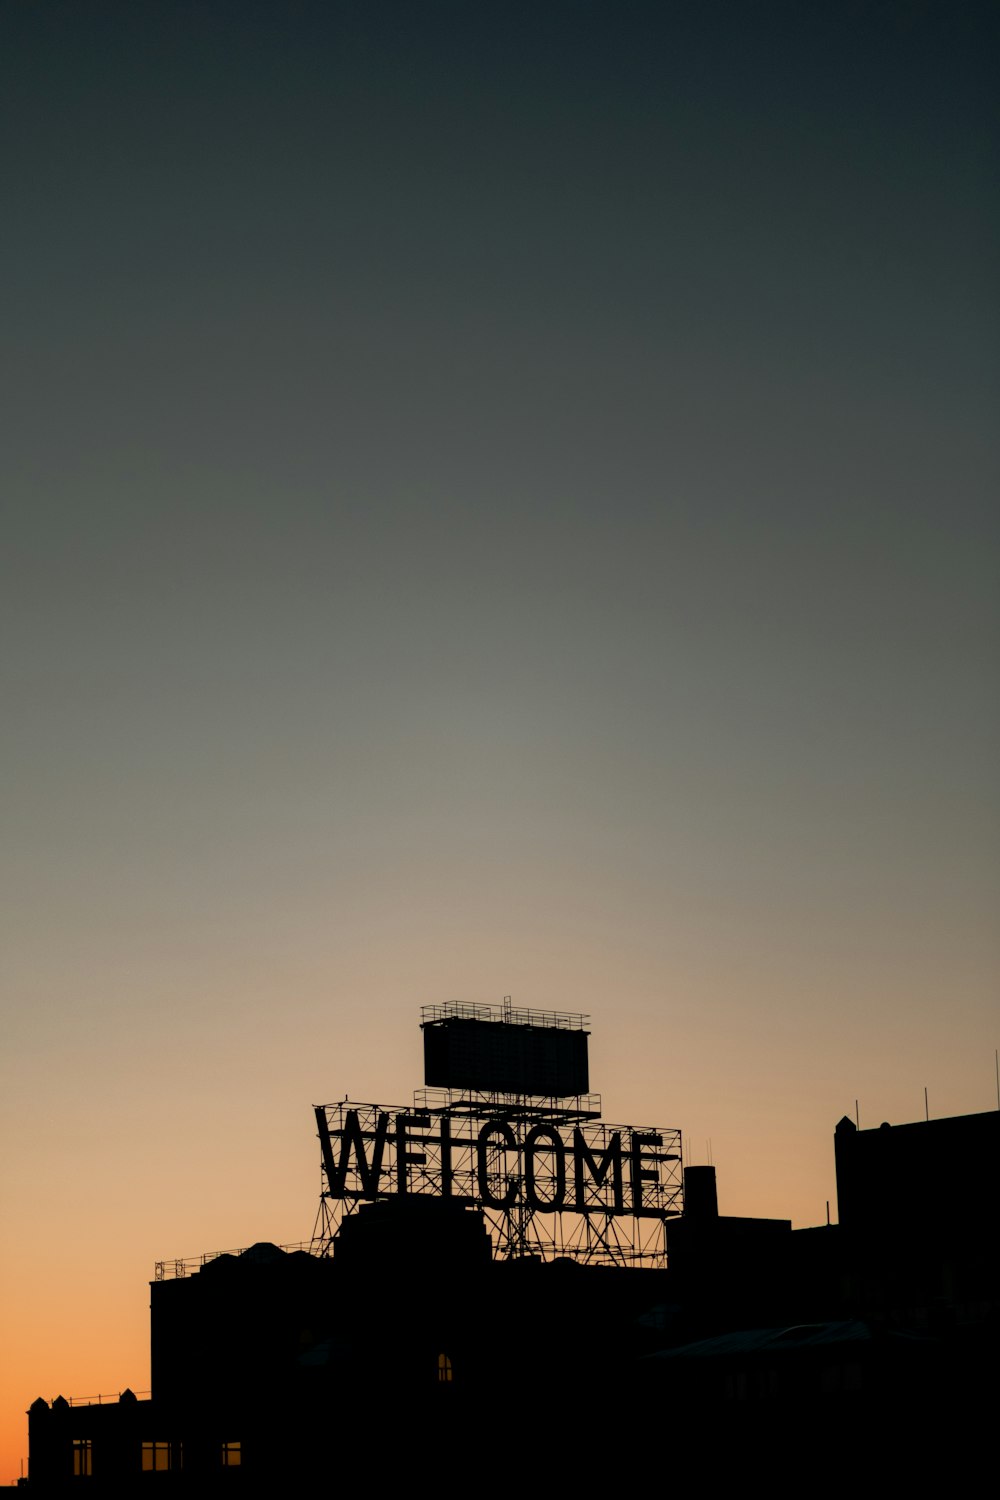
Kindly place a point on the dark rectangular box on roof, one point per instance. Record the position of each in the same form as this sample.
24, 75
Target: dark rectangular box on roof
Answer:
501, 1057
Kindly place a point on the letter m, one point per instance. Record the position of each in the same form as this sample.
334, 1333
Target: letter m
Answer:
611, 1161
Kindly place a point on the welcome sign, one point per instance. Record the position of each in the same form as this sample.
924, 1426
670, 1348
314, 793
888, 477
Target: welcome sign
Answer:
507, 1127
488, 1159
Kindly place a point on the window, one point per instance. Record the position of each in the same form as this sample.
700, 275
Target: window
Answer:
232, 1455
83, 1457
156, 1458
445, 1372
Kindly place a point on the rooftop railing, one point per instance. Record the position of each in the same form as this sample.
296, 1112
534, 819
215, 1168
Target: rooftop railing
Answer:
559, 1020
490, 1103
106, 1398
174, 1270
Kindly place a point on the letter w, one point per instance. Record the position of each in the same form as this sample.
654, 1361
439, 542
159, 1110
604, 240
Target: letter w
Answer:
352, 1136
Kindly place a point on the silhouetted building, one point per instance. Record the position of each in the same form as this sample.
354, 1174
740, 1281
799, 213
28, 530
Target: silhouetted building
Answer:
413, 1354
919, 1209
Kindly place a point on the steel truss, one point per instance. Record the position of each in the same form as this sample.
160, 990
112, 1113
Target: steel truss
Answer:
557, 1208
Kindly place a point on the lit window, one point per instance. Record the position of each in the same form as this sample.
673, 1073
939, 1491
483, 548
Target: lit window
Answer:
83, 1457
445, 1372
232, 1456
155, 1457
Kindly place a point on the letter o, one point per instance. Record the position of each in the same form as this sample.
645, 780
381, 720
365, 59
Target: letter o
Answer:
556, 1145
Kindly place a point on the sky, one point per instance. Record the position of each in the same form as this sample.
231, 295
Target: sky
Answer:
496, 499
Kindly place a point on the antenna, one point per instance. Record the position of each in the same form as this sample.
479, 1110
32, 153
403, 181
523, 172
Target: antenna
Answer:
857, 1117
927, 1113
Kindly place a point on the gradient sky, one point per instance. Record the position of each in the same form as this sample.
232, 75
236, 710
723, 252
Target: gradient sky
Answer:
497, 499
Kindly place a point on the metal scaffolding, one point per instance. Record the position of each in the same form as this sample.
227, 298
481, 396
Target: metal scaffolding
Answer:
548, 1174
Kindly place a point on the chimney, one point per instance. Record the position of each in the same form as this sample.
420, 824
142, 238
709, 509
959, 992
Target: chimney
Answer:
701, 1198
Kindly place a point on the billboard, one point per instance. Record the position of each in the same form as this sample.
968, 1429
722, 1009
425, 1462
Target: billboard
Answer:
496, 1057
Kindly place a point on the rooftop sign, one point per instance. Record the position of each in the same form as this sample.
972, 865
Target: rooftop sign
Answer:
506, 1125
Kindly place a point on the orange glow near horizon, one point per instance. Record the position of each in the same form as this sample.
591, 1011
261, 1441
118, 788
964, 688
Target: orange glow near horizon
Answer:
224, 1173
